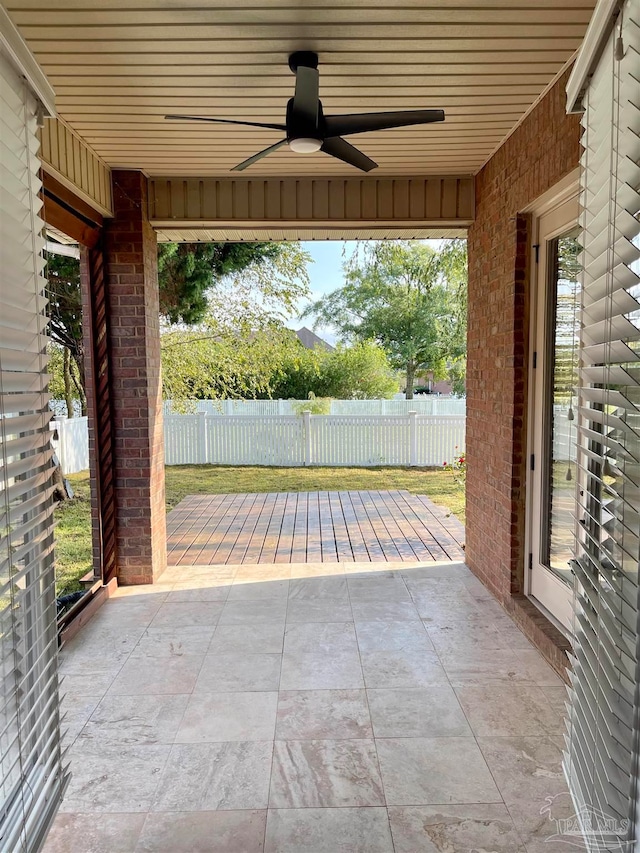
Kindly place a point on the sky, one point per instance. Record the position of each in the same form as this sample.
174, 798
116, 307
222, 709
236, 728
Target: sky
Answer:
326, 275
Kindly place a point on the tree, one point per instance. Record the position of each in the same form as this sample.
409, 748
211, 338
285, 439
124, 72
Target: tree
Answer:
235, 281
359, 372
397, 294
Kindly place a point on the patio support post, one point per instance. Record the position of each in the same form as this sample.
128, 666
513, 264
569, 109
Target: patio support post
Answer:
130, 254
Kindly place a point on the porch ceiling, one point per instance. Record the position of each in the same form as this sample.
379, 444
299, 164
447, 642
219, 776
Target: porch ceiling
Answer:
118, 69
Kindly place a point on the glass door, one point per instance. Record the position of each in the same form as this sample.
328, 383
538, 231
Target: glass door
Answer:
553, 413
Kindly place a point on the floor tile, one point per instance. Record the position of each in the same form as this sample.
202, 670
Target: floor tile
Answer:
76, 710
454, 829
527, 771
323, 637
322, 610
100, 833
499, 709
433, 771
318, 589
177, 614
157, 675
136, 719
323, 714
378, 589
324, 774
417, 712
228, 716
253, 611
477, 636
475, 666
210, 776
402, 668
113, 777
203, 832
238, 672
346, 830
265, 637
537, 668
384, 611
198, 591
392, 636
319, 671
258, 590
164, 642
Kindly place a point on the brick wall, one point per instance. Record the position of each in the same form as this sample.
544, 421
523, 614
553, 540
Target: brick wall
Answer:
536, 156
132, 281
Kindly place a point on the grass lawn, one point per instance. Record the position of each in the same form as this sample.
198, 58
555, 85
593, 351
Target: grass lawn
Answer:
73, 519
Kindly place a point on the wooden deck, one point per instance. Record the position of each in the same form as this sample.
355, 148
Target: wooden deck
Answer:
311, 527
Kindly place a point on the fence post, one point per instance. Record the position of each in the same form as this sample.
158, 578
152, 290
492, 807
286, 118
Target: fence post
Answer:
306, 420
202, 437
413, 439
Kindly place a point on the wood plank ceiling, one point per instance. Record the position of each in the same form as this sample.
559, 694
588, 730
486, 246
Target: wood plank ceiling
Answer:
118, 68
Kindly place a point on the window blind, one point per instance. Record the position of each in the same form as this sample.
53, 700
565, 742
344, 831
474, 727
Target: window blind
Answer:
602, 738
31, 773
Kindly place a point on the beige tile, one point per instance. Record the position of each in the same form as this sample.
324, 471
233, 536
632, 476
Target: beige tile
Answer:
378, 589
323, 714
392, 636
113, 777
238, 673
527, 771
179, 641
83, 681
213, 717
211, 776
146, 675
177, 614
537, 668
259, 573
318, 671
318, 589
318, 570
460, 638
265, 637
443, 571
254, 610
557, 697
402, 668
346, 830
454, 829
100, 833
384, 611
417, 712
245, 590
199, 591
76, 710
425, 771
324, 774
203, 832
499, 709
323, 637
475, 666
136, 719
322, 610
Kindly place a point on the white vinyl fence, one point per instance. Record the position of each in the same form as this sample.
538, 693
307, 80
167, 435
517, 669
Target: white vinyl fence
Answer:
430, 405
288, 440
291, 440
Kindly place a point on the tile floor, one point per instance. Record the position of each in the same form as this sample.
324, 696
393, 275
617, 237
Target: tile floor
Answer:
320, 708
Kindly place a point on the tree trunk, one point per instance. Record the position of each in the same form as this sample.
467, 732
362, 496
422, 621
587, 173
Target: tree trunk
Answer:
79, 379
411, 375
68, 394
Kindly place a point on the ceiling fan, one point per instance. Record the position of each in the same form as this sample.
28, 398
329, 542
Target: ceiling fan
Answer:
309, 130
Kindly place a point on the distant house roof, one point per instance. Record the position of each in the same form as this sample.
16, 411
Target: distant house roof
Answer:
310, 340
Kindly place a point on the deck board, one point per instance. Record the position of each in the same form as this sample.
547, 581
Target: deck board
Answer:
312, 527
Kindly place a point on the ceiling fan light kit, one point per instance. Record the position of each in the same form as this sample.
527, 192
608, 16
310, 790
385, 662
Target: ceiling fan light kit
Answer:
308, 130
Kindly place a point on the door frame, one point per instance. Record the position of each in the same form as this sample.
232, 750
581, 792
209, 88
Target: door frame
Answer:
560, 205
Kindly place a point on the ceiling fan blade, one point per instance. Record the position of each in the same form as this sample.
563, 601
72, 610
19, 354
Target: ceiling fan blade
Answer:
305, 99
227, 121
242, 166
365, 122
346, 152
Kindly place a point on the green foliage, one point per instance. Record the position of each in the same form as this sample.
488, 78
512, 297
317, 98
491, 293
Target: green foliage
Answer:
359, 372
407, 298
190, 275
314, 405
457, 468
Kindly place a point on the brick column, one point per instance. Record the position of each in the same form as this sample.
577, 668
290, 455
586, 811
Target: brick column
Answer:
130, 254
